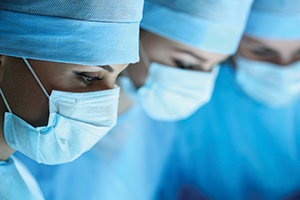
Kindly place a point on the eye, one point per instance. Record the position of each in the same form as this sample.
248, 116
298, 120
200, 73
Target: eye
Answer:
183, 65
263, 52
88, 78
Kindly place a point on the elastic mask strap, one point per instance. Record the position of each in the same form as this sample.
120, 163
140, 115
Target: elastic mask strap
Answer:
144, 55
35, 76
4, 99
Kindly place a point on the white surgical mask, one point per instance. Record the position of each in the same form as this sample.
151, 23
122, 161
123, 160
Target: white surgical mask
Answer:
77, 121
267, 83
171, 93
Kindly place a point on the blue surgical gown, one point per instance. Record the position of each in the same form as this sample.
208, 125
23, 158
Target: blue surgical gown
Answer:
16, 182
131, 172
237, 149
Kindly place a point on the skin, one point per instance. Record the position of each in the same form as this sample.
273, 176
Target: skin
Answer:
280, 52
161, 50
26, 98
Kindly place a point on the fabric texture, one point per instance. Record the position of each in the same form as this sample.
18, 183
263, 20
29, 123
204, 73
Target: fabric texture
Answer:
212, 25
97, 32
277, 19
17, 182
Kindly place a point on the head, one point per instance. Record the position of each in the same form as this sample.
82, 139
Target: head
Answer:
25, 96
76, 47
267, 60
190, 34
180, 50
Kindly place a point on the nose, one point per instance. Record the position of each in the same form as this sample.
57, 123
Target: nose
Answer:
284, 60
109, 81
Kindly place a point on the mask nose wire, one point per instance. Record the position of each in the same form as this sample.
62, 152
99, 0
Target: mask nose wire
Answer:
144, 56
5, 101
35, 76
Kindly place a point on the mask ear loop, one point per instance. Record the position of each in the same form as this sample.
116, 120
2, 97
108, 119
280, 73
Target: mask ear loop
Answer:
5, 101
35, 76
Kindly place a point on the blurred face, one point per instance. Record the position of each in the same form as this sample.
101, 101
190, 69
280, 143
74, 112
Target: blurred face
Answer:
25, 96
174, 54
280, 52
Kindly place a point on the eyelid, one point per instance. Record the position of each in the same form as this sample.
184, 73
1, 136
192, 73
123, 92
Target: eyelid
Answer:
187, 57
182, 65
81, 76
96, 75
263, 51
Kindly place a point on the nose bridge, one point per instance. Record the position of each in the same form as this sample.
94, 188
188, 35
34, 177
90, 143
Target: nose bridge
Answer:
109, 83
285, 58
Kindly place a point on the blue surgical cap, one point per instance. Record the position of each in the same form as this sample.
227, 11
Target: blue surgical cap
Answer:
212, 25
274, 19
87, 32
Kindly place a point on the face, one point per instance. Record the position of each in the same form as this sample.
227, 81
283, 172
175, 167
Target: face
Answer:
280, 52
25, 96
171, 53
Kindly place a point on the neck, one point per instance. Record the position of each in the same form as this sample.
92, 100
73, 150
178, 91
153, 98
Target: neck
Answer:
5, 150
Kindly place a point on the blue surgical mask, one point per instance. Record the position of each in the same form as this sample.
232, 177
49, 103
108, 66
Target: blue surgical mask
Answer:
267, 83
171, 93
77, 121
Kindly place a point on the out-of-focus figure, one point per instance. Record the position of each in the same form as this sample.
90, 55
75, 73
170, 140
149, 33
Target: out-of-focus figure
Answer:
244, 144
182, 44
58, 64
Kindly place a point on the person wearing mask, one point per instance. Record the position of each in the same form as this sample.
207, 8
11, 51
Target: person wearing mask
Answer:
58, 65
182, 44
244, 144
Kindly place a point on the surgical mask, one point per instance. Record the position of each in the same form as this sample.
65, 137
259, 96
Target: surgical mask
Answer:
267, 83
171, 93
77, 121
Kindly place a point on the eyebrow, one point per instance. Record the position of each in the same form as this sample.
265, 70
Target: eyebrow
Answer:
191, 53
107, 68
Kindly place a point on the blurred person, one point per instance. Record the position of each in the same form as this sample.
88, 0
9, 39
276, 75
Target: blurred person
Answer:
58, 65
244, 144
182, 44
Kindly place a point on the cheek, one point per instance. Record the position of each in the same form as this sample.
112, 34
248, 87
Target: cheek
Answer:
25, 97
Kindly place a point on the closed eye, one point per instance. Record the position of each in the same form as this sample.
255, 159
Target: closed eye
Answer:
183, 65
263, 52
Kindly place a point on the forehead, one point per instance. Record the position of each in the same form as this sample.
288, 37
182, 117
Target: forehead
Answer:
178, 46
277, 44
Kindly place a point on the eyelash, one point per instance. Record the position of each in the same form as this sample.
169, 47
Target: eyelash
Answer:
88, 80
182, 65
262, 53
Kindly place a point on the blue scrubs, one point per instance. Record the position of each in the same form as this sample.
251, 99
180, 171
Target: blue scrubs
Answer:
16, 182
131, 172
234, 148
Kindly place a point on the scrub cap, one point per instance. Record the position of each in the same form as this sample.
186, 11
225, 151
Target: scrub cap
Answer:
212, 25
87, 32
274, 19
